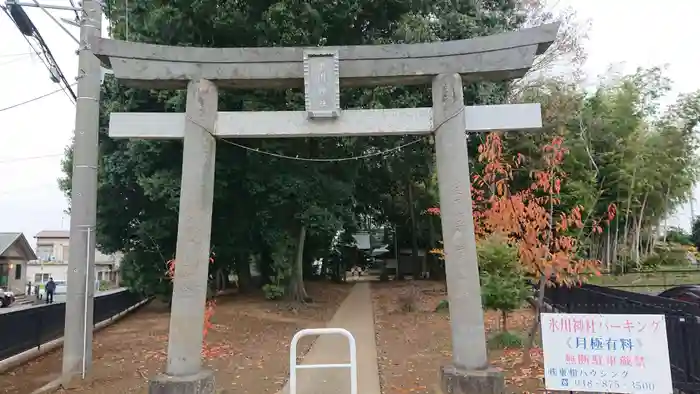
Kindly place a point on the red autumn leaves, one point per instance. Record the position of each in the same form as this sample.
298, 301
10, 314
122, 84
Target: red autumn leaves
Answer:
207, 352
546, 236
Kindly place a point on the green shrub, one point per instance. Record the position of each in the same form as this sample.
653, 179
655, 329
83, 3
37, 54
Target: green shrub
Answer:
652, 262
443, 306
503, 286
505, 340
273, 291
105, 285
671, 254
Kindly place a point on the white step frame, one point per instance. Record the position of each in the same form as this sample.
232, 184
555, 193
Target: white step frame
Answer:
293, 366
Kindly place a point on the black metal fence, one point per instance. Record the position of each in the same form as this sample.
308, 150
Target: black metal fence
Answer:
28, 328
682, 323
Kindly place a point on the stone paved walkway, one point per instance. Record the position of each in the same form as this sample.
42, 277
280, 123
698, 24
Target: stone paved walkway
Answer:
355, 315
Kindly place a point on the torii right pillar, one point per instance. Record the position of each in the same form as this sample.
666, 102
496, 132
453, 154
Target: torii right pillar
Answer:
470, 371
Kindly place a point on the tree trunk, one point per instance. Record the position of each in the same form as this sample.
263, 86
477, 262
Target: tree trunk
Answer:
633, 241
504, 321
543, 281
616, 245
666, 212
266, 263
219, 280
297, 291
638, 245
536, 323
243, 272
435, 271
627, 214
417, 268
651, 239
608, 249
399, 274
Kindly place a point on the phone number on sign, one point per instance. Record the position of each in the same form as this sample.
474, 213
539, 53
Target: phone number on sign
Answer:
612, 385
597, 384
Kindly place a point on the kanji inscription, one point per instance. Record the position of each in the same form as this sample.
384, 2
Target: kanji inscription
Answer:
322, 83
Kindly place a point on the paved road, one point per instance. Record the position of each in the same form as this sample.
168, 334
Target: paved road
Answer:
56, 298
355, 315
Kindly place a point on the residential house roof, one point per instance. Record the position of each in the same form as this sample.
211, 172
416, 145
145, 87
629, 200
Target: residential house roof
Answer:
53, 234
9, 239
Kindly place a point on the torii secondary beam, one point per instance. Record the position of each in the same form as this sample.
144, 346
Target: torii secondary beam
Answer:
287, 124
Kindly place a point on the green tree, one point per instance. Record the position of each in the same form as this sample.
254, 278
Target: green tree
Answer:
678, 235
503, 285
272, 210
624, 150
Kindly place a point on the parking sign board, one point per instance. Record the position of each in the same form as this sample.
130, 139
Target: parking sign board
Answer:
606, 353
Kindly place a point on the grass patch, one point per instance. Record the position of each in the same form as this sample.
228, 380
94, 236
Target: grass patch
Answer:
506, 340
443, 306
650, 282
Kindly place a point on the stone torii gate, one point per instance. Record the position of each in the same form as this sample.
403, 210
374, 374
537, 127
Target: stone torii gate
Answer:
321, 72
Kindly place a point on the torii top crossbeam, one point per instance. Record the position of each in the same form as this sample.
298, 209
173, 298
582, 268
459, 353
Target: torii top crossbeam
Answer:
497, 57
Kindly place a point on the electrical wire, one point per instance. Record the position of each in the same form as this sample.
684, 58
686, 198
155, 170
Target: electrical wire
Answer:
50, 62
15, 60
18, 159
77, 16
25, 190
35, 98
16, 54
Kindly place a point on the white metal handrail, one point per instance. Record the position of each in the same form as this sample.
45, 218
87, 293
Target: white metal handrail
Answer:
322, 331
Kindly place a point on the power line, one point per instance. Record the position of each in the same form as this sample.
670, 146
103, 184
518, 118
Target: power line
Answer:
18, 159
14, 60
28, 189
35, 98
16, 54
28, 29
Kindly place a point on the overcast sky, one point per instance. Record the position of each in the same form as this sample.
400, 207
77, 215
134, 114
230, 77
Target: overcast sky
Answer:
626, 33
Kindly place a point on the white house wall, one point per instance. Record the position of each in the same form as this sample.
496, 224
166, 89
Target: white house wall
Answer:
60, 271
56, 271
58, 249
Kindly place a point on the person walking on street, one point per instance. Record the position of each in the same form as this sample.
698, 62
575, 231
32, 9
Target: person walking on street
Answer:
50, 289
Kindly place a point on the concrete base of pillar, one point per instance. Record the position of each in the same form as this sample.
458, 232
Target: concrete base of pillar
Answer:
201, 383
454, 380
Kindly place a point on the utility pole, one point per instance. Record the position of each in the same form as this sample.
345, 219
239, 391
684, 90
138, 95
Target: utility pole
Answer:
77, 344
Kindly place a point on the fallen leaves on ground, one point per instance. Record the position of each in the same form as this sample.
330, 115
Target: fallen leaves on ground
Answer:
247, 346
411, 346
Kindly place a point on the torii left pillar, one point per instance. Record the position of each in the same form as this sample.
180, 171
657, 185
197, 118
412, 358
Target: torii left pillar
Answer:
183, 373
